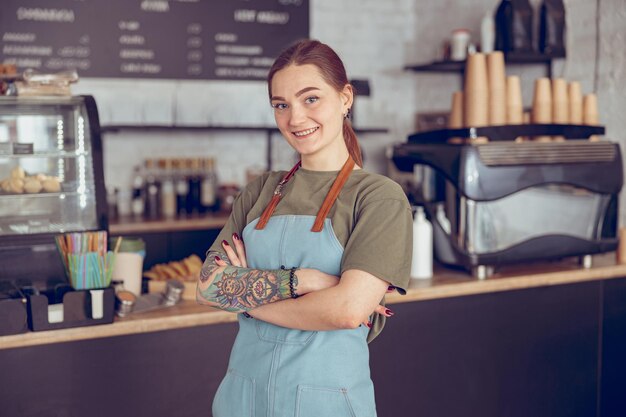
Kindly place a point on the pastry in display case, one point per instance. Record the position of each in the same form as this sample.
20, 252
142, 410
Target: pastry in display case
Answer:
51, 181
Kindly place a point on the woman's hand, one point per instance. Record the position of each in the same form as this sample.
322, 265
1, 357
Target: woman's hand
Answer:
236, 255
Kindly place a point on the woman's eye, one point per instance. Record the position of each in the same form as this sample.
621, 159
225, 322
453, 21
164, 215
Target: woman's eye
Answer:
312, 99
279, 106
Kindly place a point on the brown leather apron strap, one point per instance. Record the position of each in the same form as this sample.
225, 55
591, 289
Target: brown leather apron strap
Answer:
332, 195
278, 194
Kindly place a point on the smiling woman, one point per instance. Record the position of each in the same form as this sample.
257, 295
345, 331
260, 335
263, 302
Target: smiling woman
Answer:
324, 242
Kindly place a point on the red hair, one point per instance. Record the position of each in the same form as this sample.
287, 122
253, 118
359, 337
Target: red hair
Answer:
332, 70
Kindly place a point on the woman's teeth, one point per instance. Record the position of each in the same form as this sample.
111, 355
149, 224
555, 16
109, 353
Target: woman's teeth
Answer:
305, 132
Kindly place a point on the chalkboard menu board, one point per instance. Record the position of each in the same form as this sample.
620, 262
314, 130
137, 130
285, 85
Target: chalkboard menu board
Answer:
173, 39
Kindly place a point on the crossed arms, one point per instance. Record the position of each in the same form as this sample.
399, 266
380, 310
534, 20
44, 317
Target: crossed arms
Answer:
325, 302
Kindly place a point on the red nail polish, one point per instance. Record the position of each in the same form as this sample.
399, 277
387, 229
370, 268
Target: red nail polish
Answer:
235, 236
389, 312
391, 288
225, 243
217, 258
369, 324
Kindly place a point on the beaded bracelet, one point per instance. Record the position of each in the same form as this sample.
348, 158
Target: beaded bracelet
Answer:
292, 278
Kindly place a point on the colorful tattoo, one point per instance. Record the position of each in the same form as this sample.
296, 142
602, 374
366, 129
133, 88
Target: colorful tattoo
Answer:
210, 266
238, 289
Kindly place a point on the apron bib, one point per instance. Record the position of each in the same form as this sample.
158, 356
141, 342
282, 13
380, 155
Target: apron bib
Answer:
279, 372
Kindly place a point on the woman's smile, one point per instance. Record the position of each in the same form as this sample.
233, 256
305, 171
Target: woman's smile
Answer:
302, 134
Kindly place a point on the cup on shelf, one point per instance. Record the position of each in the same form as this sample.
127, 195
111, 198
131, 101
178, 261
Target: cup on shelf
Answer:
497, 88
476, 94
560, 101
575, 103
560, 104
459, 42
514, 107
542, 105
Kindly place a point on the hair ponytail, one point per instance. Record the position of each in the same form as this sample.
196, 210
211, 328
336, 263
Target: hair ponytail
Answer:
352, 143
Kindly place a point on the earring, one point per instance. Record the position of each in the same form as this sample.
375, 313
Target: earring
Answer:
347, 114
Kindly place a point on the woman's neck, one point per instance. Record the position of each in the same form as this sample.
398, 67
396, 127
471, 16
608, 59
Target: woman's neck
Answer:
330, 160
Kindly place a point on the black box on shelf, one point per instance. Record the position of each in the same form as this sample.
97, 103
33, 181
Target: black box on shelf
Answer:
13, 316
63, 307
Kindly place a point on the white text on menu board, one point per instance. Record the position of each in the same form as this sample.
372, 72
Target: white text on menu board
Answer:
22, 50
132, 51
244, 61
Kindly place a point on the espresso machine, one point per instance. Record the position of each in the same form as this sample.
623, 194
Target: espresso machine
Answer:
496, 196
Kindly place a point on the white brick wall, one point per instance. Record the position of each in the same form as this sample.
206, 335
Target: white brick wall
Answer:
375, 39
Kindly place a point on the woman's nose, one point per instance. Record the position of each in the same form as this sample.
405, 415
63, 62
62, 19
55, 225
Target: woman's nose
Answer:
297, 116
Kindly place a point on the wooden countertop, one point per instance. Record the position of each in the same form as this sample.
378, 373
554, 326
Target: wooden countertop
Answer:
130, 225
445, 283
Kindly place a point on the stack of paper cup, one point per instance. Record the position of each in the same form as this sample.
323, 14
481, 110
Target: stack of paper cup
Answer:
560, 104
456, 114
497, 88
542, 105
590, 113
514, 108
476, 96
575, 103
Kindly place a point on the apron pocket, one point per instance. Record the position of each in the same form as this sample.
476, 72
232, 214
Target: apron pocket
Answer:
313, 401
235, 396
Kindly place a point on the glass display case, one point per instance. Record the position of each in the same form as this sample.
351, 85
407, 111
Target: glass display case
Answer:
51, 179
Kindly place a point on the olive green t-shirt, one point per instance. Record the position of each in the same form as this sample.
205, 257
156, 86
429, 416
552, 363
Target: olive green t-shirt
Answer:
371, 219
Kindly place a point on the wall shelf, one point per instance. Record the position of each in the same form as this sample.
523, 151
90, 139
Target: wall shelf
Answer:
511, 58
149, 128
269, 131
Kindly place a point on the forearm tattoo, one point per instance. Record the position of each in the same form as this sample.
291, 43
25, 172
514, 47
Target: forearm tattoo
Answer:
238, 289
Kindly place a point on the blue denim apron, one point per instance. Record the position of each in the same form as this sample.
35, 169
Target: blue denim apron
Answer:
279, 372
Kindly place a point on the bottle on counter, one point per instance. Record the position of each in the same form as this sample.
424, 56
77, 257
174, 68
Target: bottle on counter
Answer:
182, 187
138, 190
194, 180
208, 190
422, 260
152, 191
168, 191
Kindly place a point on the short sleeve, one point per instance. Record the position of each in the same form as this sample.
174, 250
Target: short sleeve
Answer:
381, 241
237, 220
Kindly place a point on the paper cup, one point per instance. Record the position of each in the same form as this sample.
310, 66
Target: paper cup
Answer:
496, 79
560, 101
575, 103
476, 95
514, 107
129, 270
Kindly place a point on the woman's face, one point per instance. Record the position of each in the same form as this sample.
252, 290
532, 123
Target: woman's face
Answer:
308, 111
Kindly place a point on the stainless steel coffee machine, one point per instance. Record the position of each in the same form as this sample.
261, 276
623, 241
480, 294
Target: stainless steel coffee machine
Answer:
494, 200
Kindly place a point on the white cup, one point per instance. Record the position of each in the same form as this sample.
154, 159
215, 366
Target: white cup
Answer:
128, 269
458, 44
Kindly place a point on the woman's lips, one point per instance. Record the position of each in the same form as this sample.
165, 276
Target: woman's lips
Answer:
300, 134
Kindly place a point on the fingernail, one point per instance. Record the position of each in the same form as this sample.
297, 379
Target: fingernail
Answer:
391, 288
369, 324
217, 258
388, 312
235, 236
225, 243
